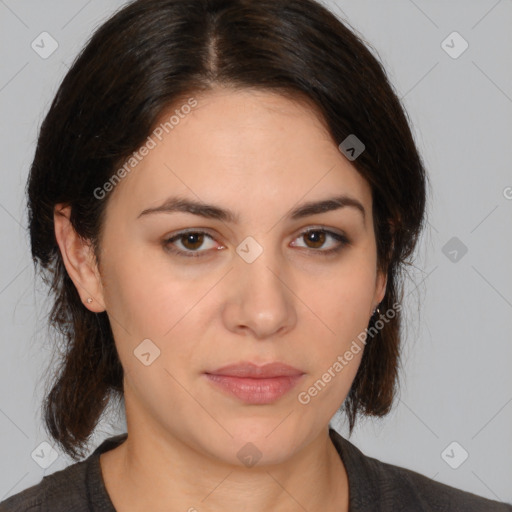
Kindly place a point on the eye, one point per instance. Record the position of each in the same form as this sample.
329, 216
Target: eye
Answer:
316, 238
191, 241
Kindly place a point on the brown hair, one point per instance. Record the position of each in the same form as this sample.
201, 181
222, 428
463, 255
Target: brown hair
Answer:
154, 53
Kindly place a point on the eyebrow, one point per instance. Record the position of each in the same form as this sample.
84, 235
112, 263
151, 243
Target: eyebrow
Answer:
210, 211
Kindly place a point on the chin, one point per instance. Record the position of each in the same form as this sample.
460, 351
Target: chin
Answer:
264, 440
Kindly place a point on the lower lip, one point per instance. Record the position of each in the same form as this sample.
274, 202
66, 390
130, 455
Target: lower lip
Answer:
255, 391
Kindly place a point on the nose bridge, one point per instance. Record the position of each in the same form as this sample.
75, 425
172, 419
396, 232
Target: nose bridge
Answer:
261, 257
265, 304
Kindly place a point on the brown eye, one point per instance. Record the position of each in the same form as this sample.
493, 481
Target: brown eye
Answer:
316, 238
192, 241
189, 244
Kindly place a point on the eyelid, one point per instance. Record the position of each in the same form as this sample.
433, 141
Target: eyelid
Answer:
320, 227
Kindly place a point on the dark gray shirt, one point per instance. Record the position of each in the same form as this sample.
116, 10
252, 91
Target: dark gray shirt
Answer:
374, 486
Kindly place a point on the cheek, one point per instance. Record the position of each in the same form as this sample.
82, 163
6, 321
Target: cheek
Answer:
344, 299
147, 300
343, 304
142, 300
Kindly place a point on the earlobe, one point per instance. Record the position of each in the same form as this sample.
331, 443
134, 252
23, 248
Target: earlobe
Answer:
78, 258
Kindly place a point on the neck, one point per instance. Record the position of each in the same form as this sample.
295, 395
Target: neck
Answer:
142, 474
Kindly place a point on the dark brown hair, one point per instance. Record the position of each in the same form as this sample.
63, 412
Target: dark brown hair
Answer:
153, 53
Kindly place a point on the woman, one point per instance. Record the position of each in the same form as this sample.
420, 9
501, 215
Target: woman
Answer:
223, 196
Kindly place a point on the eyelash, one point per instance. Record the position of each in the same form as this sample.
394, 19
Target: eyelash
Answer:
342, 239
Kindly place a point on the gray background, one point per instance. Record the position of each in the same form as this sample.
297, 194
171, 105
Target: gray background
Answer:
456, 383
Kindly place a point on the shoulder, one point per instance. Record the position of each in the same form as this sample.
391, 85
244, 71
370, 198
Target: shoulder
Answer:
77, 487
412, 488
398, 489
62, 490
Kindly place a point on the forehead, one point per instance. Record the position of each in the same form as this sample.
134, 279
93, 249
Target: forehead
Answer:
240, 147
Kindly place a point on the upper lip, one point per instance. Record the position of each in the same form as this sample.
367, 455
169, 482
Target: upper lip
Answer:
248, 369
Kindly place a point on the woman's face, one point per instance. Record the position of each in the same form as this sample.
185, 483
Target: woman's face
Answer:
250, 289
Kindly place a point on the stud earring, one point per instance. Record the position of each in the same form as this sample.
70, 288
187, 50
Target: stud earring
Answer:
89, 300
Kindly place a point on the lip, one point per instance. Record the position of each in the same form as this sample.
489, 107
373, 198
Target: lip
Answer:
248, 369
255, 384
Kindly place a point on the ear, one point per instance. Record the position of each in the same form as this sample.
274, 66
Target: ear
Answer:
78, 258
380, 288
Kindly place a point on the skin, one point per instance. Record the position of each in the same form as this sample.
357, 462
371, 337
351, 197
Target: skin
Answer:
260, 155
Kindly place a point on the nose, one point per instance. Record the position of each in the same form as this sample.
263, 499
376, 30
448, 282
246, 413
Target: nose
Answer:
261, 302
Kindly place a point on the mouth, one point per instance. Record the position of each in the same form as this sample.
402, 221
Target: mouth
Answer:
252, 384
